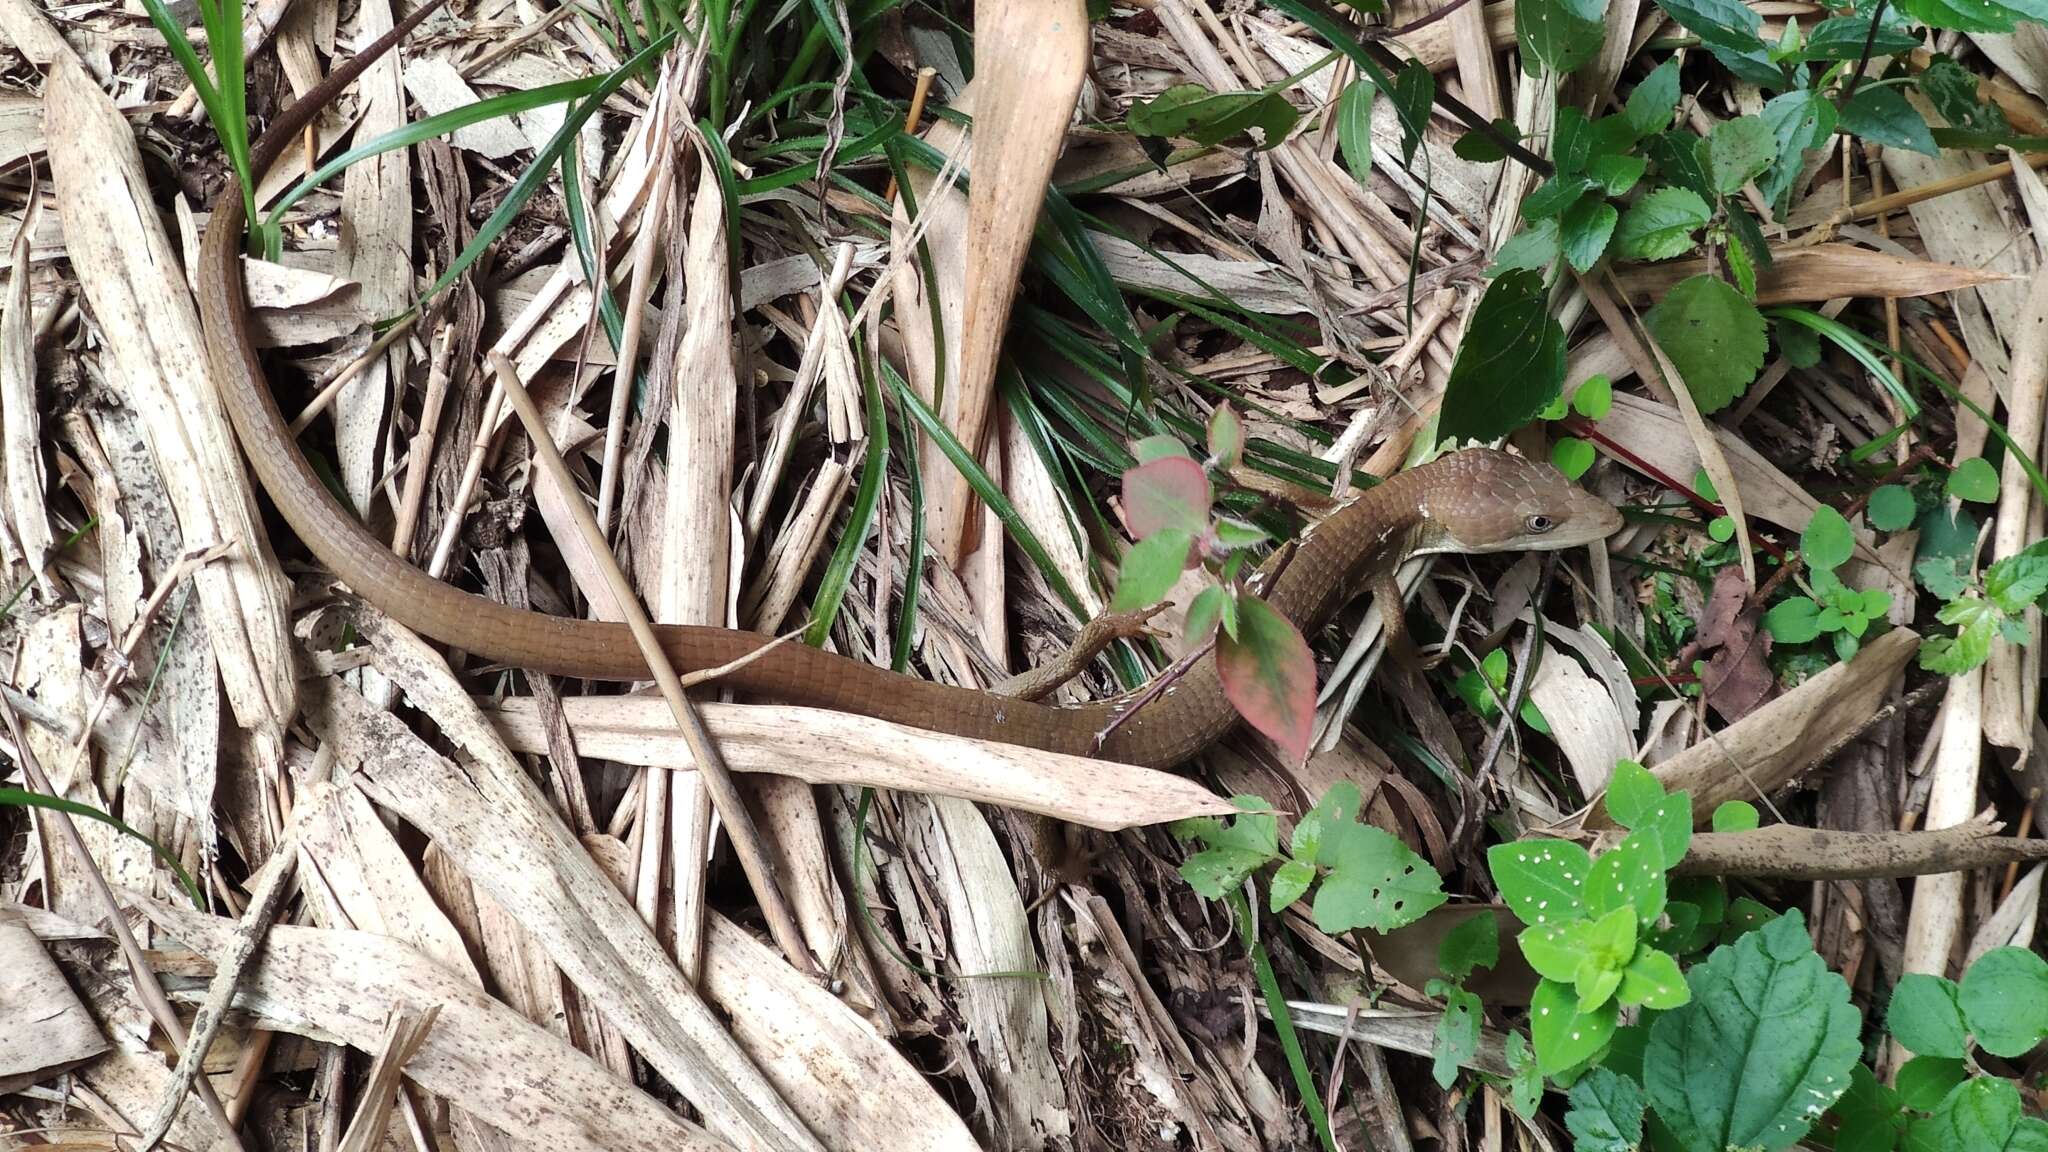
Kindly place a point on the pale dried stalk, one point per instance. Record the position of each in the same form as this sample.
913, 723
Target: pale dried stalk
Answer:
271, 887
776, 457
2012, 676
19, 419
775, 590
420, 455
645, 249
404, 1032
1936, 918
710, 765
147, 988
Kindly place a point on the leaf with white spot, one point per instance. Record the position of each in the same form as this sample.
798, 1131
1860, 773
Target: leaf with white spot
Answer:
1630, 874
1564, 1036
1540, 879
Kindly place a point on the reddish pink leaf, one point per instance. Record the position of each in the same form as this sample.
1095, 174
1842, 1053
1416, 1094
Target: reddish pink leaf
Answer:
1269, 676
1170, 492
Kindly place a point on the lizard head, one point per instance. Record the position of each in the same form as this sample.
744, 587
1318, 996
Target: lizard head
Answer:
1486, 500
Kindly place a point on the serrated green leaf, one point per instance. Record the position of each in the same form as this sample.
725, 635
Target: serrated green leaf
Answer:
1739, 150
1630, 875
1559, 35
1749, 236
1510, 364
1540, 880
1532, 249
1680, 158
1729, 30
1457, 1036
1740, 270
1584, 229
1606, 1113
1474, 943
1868, 1115
1660, 225
1884, 115
1764, 1048
1290, 882
1564, 1036
1975, 15
2004, 998
1800, 120
1713, 335
1736, 816
1375, 881
1615, 175
2018, 580
1555, 195
1652, 102
1842, 38
1925, 1017
1233, 851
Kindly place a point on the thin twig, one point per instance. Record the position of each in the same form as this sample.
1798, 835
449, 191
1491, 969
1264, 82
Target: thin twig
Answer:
725, 795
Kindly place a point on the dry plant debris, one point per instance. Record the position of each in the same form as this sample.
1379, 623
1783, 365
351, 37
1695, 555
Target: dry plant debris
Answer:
927, 334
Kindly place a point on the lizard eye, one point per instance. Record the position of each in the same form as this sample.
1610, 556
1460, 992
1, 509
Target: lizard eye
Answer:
1540, 523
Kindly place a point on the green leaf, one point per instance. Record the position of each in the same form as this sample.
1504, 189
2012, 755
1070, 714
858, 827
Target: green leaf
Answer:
1150, 569
1290, 883
2018, 580
1540, 880
1233, 851
1721, 529
1633, 792
1736, 816
1630, 875
1510, 364
1153, 448
1525, 1078
1557, 950
1171, 493
1653, 980
1354, 128
1974, 480
1681, 158
1555, 195
1740, 270
1584, 229
1375, 881
1660, 225
1763, 1049
1212, 605
1842, 38
1925, 1017
1474, 943
1976, 621
2004, 997
1269, 676
1925, 1081
1952, 89
1883, 115
1559, 35
1749, 236
1892, 508
1801, 120
1713, 336
1210, 118
1738, 151
1653, 101
1729, 30
1532, 249
1827, 542
1615, 175
1868, 1115
1984, 1113
1457, 1035
1226, 435
1975, 15
1413, 92
1594, 398
1566, 1037
1572, 456
1606, 1113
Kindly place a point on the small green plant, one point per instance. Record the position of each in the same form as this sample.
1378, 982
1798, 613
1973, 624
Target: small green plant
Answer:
1588, 921
1267, 670
1941, 1098
1592, 400
1824, 606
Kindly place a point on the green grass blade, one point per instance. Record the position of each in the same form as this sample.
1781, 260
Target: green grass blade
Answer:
874, 472
23, 798
407, 135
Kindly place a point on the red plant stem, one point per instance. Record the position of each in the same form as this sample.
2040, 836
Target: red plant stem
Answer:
1579, 426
